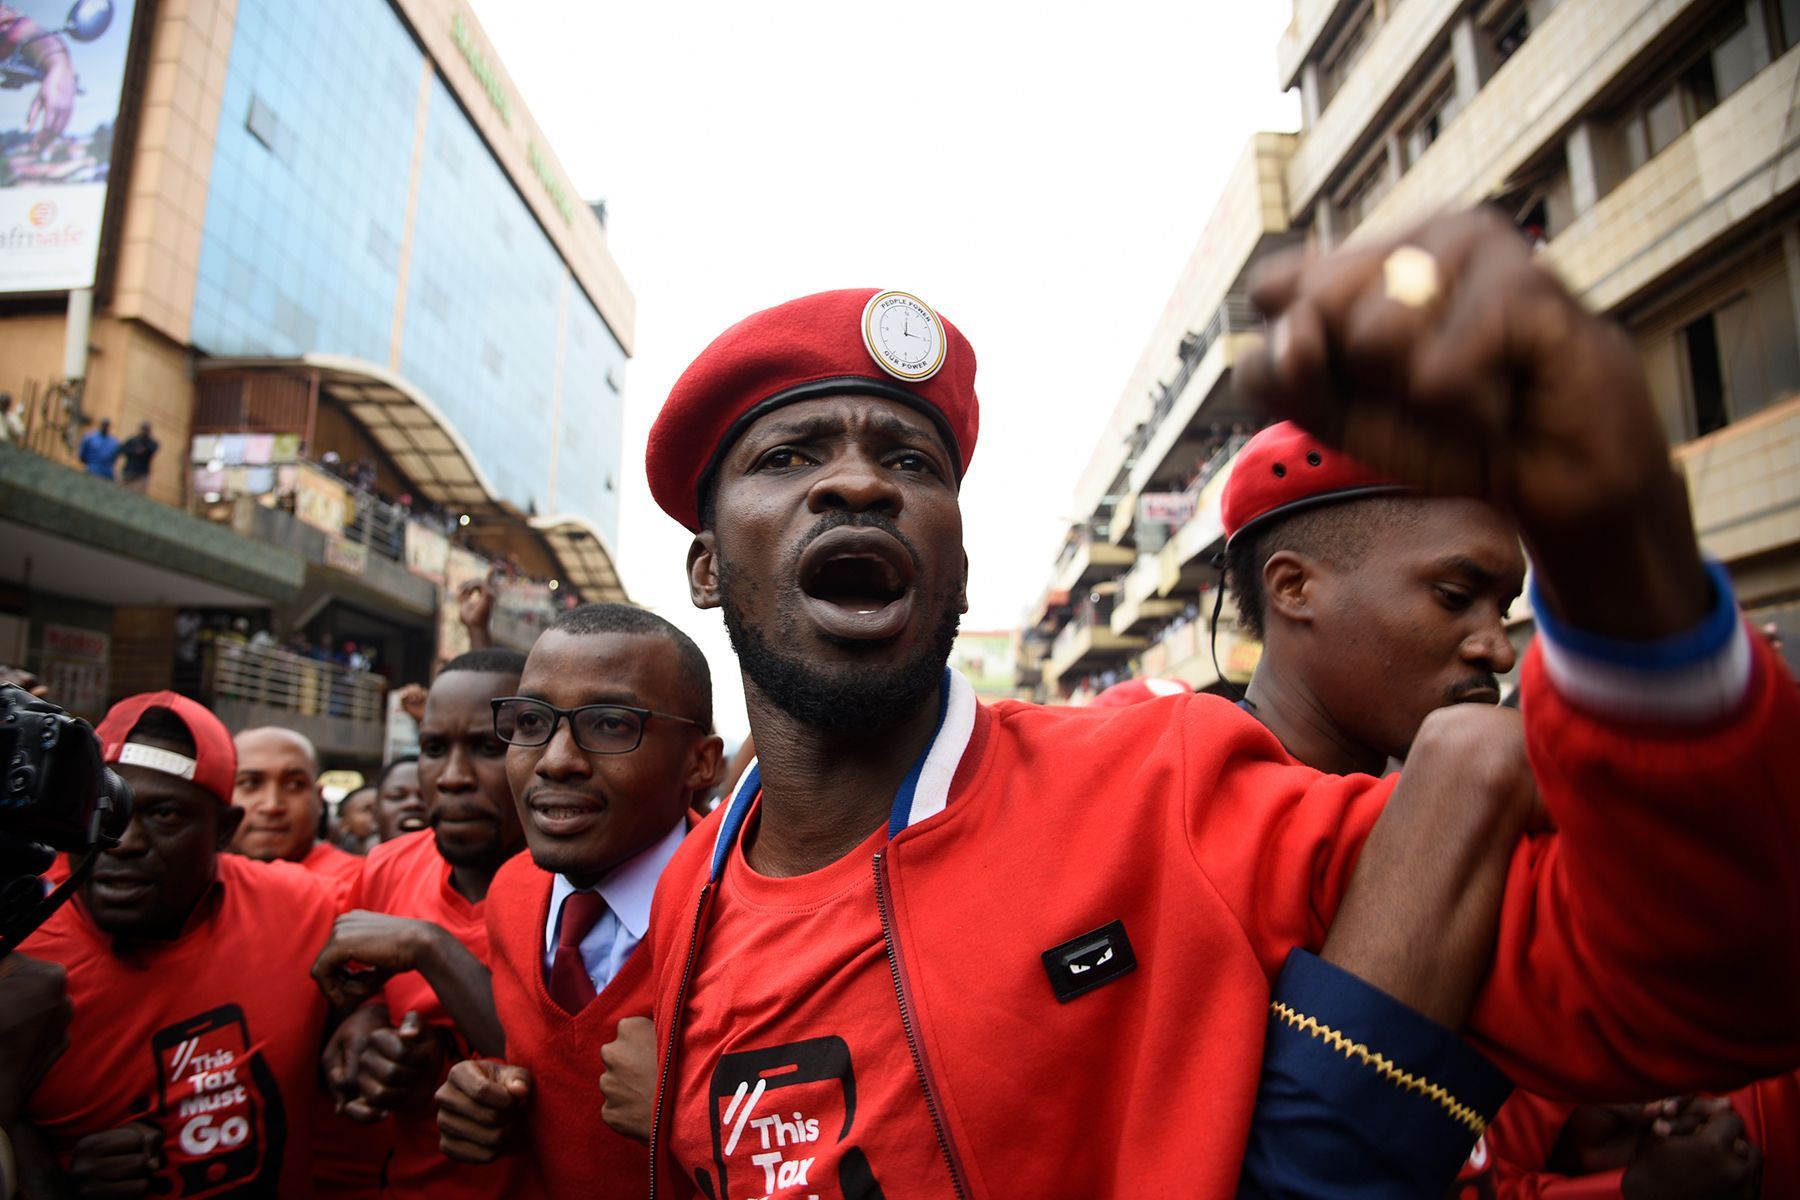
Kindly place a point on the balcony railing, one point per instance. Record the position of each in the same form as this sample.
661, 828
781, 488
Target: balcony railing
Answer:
1236, 314
269, 677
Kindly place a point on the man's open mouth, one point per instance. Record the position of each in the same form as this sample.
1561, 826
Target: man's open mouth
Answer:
859, 581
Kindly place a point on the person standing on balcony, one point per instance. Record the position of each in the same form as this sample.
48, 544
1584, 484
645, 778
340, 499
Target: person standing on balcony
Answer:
12, 426
100, 450
421, 902
277, 786
134, 458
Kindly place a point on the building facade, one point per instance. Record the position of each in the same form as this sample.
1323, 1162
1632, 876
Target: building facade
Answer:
1649, 150
380, 341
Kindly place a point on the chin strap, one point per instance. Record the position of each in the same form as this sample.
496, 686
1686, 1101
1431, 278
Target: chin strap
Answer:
1212, 627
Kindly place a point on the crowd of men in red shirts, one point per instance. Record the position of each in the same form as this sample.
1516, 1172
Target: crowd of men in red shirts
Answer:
929, 947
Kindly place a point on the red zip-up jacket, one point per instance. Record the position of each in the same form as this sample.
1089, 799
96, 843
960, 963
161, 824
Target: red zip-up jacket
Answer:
1623, 966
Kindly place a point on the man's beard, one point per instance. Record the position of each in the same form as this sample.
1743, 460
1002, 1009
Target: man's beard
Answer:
847, 697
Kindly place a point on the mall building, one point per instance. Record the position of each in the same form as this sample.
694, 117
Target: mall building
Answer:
1649, 149
380, 341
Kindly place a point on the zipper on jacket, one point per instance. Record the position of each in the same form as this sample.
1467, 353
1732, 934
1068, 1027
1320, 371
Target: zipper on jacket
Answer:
668, 1062
945, 1146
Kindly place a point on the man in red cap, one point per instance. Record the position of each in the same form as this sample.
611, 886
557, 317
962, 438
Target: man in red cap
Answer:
1375, 603
193, 1051
932, 948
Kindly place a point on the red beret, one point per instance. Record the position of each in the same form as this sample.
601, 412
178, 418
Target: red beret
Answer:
859, 340
1135, 691
1284, 469
214, 765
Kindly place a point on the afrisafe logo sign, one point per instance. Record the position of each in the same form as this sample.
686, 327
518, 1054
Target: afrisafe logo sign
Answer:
62, 71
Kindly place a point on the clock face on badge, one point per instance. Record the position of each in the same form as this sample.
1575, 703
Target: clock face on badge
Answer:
904, 336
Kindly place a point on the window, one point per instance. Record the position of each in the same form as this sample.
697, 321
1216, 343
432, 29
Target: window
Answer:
1425, 128
1723, 63
1733, 358
1509, 30
1361, 197
1345, 50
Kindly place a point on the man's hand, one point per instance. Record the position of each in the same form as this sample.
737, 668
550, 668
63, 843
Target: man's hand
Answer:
1419, 917
1695, 1149
343, 1057
412, 701
1451, 361
366, 950
398, 1068
480, 1108
475, 608
629, 1079
54, 103
118, 1162
34, 1028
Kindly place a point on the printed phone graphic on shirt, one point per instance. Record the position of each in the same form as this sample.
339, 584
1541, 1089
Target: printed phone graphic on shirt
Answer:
220, 1110
780, 1120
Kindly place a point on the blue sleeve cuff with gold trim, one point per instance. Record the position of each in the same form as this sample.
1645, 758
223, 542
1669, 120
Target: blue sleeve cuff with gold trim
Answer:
1360, 1095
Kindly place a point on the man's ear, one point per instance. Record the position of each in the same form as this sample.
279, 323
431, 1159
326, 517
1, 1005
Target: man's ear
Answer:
962, 593
229, 820
1288, 581
705, 763
703, 571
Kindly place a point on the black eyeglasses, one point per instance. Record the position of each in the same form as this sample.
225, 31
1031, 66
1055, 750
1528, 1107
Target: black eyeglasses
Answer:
598, 728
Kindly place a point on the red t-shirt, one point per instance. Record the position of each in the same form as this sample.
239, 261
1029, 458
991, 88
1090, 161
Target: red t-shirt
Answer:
792, 1053
214, 1036
407, 877
340, 867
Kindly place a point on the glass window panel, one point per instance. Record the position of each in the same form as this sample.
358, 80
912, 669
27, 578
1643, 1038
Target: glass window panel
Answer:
1663, 120
1733, 62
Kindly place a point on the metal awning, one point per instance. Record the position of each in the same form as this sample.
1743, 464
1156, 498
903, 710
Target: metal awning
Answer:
586, 562
439, 464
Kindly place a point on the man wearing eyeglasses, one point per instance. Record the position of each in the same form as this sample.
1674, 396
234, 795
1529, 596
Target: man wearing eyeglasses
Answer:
415, 943
608, 739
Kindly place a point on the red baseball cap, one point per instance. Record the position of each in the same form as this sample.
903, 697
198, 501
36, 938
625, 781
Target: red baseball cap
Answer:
1136, 691
1285, 469
877, 343
214, 765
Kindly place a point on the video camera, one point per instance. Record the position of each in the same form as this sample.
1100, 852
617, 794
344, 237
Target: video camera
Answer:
55, 795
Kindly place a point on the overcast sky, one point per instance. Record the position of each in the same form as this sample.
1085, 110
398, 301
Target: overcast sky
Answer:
1054, 165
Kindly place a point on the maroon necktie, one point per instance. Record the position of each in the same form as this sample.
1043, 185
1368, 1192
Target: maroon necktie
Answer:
570, 986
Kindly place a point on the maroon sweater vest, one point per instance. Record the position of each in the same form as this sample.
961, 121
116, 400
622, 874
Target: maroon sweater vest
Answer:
577, 1153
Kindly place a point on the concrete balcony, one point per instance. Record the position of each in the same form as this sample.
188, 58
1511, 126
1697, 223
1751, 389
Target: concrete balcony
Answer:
1299, 38
1529, 103
1088, 562
1083, 647
1188, 554
1393, 54
1141, 600
348, 567
1729, 169
1744, 485
342, 710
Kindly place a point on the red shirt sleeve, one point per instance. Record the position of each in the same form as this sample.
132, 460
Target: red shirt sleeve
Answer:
1634, 952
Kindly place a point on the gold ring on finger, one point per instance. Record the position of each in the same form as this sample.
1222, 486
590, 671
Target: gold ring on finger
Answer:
1410, 277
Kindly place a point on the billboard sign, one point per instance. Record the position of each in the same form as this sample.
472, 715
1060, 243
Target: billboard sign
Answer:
62, 77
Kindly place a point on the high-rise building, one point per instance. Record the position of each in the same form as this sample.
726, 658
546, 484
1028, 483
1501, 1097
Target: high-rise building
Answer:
1649, 149
379, 338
